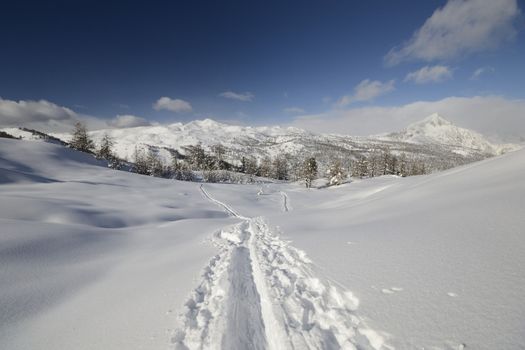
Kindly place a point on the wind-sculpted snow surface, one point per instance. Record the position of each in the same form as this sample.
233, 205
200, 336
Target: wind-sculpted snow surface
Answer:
92, 258
261, 293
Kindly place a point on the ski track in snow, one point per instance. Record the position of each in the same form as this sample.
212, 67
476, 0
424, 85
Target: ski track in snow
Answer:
259, 292
229, 209
286, 201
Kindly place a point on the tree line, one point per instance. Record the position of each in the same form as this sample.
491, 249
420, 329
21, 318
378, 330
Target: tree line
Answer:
213, 165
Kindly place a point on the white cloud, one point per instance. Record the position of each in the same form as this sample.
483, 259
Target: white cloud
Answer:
13, 112
490, 115
128, 121
47, 116
430, 74
246, 96
460, 27
42, 115
173, 105
367, 90
293, 110
480, 71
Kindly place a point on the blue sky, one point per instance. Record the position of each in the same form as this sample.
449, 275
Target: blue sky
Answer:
257, 62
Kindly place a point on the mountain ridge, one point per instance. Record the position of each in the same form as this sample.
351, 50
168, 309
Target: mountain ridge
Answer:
435, 139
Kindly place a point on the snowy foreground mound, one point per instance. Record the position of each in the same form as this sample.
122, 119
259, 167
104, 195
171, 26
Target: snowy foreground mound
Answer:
92, 258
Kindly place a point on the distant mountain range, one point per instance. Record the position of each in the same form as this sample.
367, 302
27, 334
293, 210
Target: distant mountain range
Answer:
436, 140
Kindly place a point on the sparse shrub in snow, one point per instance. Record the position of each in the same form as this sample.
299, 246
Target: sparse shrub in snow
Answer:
224, 176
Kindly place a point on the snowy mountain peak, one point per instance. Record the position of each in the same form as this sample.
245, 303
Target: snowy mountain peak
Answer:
204, 124
435, 120
435, 129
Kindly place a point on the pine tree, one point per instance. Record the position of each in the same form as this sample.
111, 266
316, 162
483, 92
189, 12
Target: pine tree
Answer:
80, 140
336, 174
280, 168
141, 162
196, 157
181, 170
154, 164
375, 164
265, 167
105, 149
309, 171
385, 161
402, 169
360, 167
250, 166
219, 153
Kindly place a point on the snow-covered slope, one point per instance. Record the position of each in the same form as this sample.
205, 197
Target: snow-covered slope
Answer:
22, 134
96, 258
436, 129
206, 132
92, 258
436, 261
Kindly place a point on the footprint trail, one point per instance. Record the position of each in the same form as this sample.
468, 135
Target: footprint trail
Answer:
259, 292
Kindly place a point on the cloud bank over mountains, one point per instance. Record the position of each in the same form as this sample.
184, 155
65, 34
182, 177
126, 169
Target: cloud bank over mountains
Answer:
495, 116
500, 118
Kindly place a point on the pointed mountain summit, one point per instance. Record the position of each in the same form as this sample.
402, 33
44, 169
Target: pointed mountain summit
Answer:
435, 120
435, 129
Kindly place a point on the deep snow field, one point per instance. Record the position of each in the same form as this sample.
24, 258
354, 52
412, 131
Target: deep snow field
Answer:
92, 258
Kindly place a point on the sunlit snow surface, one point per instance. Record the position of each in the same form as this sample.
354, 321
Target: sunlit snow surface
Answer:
92, 258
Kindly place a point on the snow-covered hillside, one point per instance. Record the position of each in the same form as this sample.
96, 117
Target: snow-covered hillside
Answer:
436, 129
436, 261
92, 258
96, 258
206, 132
